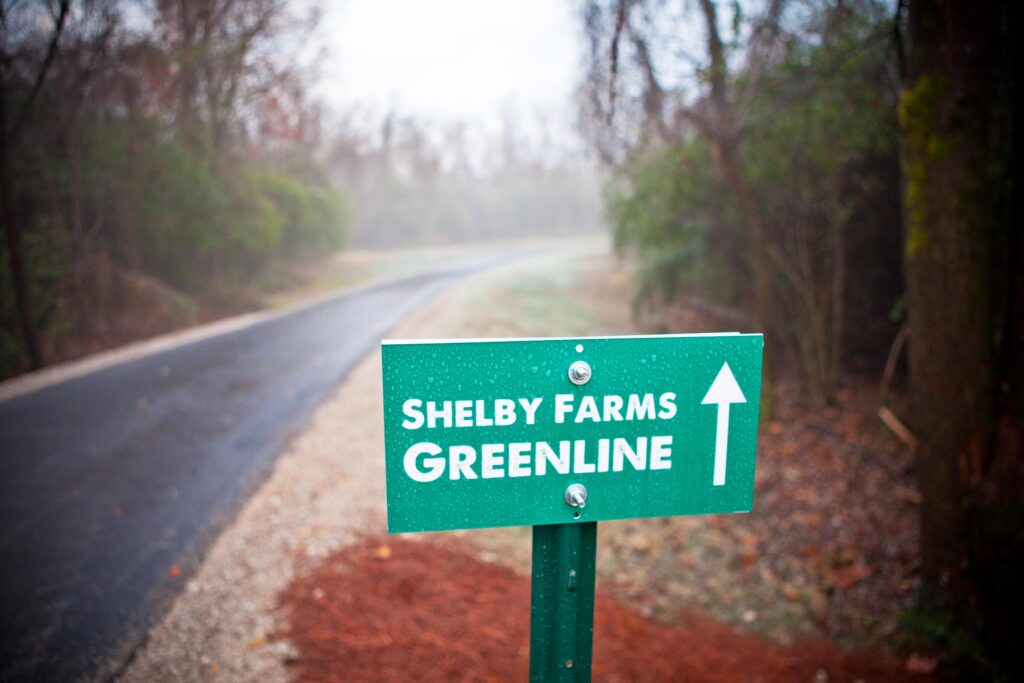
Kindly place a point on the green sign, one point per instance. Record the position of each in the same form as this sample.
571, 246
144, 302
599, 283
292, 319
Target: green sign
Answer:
494, 433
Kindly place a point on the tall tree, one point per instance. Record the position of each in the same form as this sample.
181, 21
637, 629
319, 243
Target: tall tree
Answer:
13, 116
963, 260
719, 116
221, 50
783, 100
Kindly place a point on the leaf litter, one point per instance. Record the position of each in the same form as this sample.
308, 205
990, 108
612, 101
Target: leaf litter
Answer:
434, 611
824, 565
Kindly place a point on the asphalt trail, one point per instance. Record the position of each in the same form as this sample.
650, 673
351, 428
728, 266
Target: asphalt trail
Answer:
108, 480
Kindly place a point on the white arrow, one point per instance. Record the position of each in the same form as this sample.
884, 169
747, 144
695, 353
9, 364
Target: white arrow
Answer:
724, 391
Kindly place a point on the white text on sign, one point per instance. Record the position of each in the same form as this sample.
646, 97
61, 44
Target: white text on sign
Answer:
504, 412
427, 461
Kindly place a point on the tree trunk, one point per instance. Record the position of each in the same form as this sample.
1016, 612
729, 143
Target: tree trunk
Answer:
12, 224
957, 186
757, 253
723, 138
15, 249
838, 216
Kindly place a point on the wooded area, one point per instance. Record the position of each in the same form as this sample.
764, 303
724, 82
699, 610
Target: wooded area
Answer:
413, 184
163, 162
144, 149
757, 162
145, 153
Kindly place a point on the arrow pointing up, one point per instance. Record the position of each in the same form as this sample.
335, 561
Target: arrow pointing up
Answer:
723, 392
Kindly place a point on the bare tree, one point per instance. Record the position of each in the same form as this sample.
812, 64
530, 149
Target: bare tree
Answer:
224, 51
653, 83
717, 114
13, 55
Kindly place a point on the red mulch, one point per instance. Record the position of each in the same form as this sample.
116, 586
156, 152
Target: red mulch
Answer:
400, 610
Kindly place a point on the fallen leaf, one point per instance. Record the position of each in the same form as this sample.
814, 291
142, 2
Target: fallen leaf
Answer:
851, 575
818, 602
640, 542
748, 559
907, 495
747, 538
919, 664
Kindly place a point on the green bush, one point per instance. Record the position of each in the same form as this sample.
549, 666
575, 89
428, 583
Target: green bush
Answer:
176, 217
667, 207
313, 217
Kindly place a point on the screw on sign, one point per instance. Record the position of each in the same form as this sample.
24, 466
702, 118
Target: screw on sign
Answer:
559, 434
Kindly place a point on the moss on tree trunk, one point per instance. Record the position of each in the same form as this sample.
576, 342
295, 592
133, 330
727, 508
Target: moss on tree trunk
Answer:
958, 183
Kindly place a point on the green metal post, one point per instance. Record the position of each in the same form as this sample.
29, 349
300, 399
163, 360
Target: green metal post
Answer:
562, 604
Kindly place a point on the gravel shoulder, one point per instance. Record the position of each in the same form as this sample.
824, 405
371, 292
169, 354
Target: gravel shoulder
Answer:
327, 489
828, 551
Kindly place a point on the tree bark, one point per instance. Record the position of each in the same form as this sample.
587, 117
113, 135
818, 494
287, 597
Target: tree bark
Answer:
12, 224
956, 190
16, 251
723, 136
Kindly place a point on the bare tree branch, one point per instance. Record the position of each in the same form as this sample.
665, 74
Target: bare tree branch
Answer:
51, 52
620, 22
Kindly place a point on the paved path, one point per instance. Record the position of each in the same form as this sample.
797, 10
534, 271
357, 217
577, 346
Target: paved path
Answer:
112, 480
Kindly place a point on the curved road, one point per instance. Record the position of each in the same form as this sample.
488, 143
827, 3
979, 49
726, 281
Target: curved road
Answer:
108, 480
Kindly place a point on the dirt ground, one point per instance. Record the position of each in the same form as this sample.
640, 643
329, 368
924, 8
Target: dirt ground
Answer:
827, 553
392, 609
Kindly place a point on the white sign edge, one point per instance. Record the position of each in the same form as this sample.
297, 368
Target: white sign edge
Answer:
392, 342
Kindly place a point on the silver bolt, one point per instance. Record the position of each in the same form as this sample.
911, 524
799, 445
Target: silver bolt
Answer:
576, 496
579, 372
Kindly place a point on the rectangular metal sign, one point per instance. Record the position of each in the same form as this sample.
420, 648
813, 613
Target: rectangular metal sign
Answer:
492, 433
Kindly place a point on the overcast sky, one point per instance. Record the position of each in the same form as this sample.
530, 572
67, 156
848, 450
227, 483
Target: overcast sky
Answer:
453, 60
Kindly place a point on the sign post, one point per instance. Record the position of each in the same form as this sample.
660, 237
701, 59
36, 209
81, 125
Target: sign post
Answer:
559, 434
562, 601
